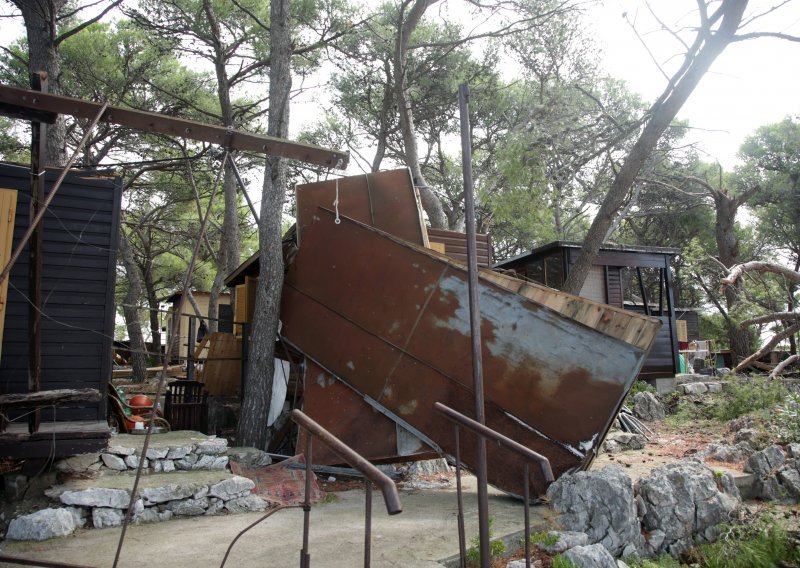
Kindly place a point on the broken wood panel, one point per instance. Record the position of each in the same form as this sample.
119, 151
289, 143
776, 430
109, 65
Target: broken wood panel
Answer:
402, 337
385, 200
222, 370
8, 208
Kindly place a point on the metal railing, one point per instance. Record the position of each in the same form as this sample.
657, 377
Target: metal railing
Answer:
371, 474
527, 454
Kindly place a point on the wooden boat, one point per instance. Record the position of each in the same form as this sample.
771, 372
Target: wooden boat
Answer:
390, 320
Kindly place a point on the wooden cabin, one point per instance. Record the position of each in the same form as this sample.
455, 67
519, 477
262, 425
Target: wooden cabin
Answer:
180, 349
631, 277
81, 228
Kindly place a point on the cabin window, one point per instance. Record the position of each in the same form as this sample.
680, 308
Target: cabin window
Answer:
645, 290
554, 271
535, 271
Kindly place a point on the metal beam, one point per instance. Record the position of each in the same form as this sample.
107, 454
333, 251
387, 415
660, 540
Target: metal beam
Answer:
13, 98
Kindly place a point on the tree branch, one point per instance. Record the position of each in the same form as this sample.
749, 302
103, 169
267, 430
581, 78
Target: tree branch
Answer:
737, 271
780, 367
86, 24
767, 347
777, 316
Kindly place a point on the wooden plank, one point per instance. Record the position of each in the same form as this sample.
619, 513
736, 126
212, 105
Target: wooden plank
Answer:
8, 209
177, 127
124, 373
222, 370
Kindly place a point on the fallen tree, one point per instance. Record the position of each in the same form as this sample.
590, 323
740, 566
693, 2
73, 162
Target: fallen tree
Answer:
736, 273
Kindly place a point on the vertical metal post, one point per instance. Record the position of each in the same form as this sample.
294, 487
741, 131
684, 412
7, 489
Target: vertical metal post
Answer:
475, 322
367, 523
527, 496
305, 557
190, 340
38, 157
462, 538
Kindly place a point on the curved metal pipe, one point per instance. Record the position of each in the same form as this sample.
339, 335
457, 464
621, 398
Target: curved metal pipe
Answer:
390, 495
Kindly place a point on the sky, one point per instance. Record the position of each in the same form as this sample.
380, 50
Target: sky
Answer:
752, 83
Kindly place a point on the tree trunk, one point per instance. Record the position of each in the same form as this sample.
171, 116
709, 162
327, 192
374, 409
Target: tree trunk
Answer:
228, 257
41, 28
709, 45
252, 430
405, 27
726, 208
131, 313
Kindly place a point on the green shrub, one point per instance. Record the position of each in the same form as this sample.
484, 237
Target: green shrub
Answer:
762, 545
743, 396
561, 562
785, 422
496, 547
542, 537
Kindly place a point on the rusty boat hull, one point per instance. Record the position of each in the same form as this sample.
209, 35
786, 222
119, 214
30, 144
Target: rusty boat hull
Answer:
390, 319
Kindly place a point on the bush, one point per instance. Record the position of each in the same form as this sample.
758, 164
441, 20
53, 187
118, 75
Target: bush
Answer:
762, 545
743, 396
496, 547
785, 422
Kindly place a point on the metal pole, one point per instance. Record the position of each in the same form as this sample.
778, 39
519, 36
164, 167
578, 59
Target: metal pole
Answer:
475, 322
190, 341
462, 538
367, 523
527, 496
305, 557
38, 151
243, 188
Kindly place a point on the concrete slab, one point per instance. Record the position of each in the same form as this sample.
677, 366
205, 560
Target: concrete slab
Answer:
423, 534
165, 440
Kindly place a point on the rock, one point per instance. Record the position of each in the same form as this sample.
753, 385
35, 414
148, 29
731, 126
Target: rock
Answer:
231, 488
41, 525
683, 501
249, 457
599, 503
132, 462
121, 450
765, 462
114, 462
622, 441
429, 467
103, 518
156, 453
723, 371
789, 478
212, 446
566, 540
188, 508
647, 407
167, 466
211, 462
97, 497
694, 388
152, 515
215, 506
170, 492
793, 450
79, 515
521, 564
714, 387
186, 462
178, 452
721, 451
77, 464
590, 556
745, 435
247, 503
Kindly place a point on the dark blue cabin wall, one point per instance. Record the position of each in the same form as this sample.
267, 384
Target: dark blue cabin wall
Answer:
81, 231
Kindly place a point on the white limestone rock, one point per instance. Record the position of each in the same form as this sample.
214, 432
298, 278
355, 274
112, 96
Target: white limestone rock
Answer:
97, 497
42, 525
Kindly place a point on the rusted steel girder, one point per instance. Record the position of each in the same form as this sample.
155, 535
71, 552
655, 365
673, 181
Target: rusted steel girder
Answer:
391, 319
41, 106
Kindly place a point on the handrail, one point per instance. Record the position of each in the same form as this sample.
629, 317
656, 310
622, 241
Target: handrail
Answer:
371, 473
390, 495
512, 445
527, 454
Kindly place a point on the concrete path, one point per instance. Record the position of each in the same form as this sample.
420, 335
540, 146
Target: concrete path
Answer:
424, 533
